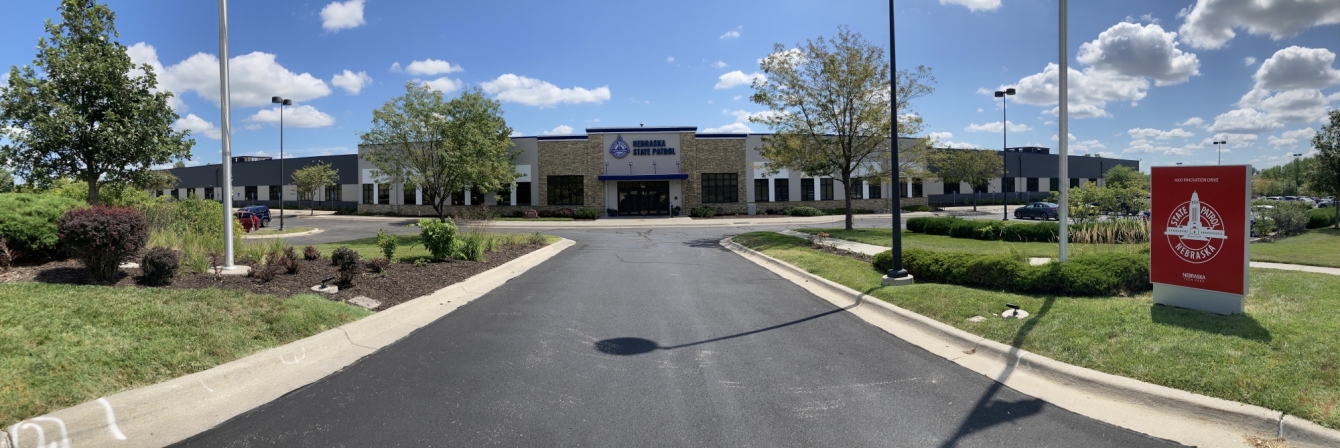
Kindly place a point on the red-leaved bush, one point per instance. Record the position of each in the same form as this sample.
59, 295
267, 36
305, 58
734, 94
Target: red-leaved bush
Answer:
101, 237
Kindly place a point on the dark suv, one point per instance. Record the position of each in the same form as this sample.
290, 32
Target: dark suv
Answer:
261, 212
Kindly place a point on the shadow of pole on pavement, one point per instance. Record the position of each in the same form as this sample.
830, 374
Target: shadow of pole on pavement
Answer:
637, 346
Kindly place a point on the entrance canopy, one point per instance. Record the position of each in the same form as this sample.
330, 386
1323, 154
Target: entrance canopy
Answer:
637, 177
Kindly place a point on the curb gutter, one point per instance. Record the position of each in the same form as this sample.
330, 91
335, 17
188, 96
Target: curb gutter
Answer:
171, 411
1151, 409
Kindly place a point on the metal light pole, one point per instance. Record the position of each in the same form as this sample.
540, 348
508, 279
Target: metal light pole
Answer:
226, 131
1298, 189
1064, 119
896, 274
1004, 139
281, 102
1220, 150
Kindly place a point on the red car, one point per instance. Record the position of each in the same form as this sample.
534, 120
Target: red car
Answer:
249, 220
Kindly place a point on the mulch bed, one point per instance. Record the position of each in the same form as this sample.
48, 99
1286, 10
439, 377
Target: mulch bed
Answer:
401, 283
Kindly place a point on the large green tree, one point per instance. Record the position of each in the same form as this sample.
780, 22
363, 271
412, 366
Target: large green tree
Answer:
78, 111
1324, 178
975, 167
829, 109
441, 145
311, 178
6, 180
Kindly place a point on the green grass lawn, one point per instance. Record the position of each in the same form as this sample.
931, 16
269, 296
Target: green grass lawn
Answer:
1280, 354
411, 246
1317, 247
62, 345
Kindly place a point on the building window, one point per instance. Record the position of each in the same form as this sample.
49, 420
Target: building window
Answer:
476, 196
566, 190
409, 195
807, 189
781, 190
334, 193
1074, 182
1056, 184
826, 189
175, 194
720, 188
190, 193
855, 191
209, 193
952, 187
503, 196
760, 190
918, 188
523, 193
458, 197
1032, 185
367, 193
383, 193
275, 192
251, 194
1007, 185
876, 191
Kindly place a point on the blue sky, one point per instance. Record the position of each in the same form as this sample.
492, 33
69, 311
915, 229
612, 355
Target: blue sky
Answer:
1151, 79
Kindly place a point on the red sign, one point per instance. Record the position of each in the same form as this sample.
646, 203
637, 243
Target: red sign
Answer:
1200, 227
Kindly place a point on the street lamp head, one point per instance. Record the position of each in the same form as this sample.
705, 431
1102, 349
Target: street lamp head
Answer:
288, 102
276, 100
1000, 94
1009, 91
1220, 143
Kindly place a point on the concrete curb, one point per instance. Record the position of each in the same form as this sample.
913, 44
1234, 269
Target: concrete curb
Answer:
1156, 410
282, 235
168, 412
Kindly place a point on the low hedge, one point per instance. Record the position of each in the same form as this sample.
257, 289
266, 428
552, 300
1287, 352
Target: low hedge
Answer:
702, 212
802, 211
28, 222
1321, 218
586, 213
1085, 275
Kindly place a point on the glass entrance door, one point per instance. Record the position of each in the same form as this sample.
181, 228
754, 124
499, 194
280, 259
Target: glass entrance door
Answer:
644, 198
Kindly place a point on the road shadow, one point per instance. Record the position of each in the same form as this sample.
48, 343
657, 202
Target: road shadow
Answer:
636, 346
990, 411
706, 243
1236, 325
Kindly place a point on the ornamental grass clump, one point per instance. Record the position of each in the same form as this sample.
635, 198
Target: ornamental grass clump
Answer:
102, 237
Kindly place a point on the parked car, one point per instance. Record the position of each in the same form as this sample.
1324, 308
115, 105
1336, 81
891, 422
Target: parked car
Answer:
1326, 203
249, 220
1037, 210
261, 212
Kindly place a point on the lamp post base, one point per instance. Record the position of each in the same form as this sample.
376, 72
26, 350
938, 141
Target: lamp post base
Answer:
903, 281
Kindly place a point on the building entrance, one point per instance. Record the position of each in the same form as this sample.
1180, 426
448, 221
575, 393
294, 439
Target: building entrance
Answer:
644, 198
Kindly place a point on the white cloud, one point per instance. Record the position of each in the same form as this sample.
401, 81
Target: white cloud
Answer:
732, 34
1210, 23
741, 124
1141, 51
985, 91
303, 116
430, 67
562, 129
534, 92
1193, 121
1289, 106
1150, 133
940, 135
1249, 61
1235, 140
669, 59
719, 64
1298, 68
443, 84
1090, 90
337, 16
737, 97
351, 82
1243, 121
974, 5
980, 110
1291, 139
733, 128
197, 126
395, 68
738, 78
516, 133
996, 127
253, 78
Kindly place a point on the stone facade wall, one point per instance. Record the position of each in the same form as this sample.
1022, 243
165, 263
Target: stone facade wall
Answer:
711, 156
570, 158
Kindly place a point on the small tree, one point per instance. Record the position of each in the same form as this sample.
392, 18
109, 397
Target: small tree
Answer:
829, 106
1122, 176
1324, 177
311, 178
88, 117
977, 168
441, 146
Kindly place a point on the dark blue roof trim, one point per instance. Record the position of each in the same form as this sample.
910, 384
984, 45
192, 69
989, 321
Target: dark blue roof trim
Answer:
560, 137
652, 129
680, 176
710, 136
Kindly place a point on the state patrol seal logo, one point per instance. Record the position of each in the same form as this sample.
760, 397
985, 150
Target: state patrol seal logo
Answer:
619, 149
1195, 231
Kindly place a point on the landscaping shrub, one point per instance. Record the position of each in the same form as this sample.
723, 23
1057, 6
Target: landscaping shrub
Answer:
586, 213
1291, 218
28, 223
379, 265
1029, 232
536, 238
194, 227
1085, 275
387, 242
702, 212
310, 253
1321, 218
348, 264
438, 237
883, 261
101, 237
802, 211
917, 208
472, 248
1125, 231
939, 226
564, 213
265, 274
159, 266
967, 228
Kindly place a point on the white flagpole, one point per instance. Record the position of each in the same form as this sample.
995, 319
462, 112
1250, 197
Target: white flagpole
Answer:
1063, 117
227, 138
